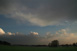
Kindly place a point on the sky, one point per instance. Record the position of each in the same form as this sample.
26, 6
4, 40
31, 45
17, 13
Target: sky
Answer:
38, 20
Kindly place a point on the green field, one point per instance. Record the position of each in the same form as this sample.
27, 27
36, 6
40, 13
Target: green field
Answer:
23, 48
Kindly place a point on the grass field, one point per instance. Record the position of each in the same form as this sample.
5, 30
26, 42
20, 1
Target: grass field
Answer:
23, 48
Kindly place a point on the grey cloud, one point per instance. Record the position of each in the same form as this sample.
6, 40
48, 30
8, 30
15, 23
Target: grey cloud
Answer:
41, 12
3, 3
33, 39
23, 39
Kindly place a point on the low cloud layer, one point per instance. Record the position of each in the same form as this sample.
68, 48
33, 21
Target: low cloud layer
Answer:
40, 12
33, 38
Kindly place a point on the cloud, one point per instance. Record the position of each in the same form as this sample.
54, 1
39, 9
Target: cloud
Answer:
33, 33
9, 33
33, 38
63, 36
40, 12
1, 31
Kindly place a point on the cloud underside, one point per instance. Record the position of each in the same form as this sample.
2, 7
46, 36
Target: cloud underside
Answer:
40, 12
33, 38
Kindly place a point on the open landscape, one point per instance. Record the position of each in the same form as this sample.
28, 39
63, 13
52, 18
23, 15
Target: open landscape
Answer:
38, 25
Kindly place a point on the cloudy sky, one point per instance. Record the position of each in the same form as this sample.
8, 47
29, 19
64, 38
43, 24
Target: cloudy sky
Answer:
42, 20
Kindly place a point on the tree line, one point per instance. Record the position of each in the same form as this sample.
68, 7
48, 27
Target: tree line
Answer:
4, 43
54, 43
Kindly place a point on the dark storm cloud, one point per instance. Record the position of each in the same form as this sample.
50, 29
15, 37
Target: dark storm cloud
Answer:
3, 3
41, 12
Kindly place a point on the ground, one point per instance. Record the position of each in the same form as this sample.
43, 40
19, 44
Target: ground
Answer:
23, 48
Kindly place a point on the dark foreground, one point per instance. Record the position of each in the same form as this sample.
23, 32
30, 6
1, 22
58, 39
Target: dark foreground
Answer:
23, 48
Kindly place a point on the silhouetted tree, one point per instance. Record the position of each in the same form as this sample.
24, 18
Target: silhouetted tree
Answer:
74, 44
4, 43
1, 42
54, 43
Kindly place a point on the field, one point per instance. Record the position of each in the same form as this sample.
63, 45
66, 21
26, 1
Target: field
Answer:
23, 48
